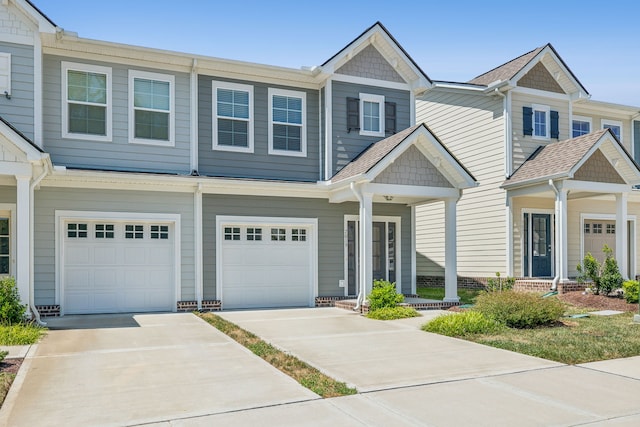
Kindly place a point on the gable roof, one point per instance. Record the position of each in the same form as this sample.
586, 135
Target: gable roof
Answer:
379, 36
23, 143
562, 159
514, 69
379, 155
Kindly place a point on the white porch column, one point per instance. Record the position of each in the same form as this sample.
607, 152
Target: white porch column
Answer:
23, 238
450, 260
621, 234
366, 243
561, 243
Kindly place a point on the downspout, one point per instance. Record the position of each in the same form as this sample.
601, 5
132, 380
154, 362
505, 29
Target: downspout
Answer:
556, 279
32, 186
361, 290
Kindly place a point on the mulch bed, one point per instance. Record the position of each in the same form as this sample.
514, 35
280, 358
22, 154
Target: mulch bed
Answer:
10, 366
599, 302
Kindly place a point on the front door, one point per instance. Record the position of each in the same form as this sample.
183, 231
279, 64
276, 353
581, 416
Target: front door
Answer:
383, 253
540, 249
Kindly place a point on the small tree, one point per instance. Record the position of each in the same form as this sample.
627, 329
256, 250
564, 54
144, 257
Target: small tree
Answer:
11, 308
384, 295
605, 277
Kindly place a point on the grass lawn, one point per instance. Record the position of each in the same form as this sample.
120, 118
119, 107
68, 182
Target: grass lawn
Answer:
20, 334
467, 296
305, 374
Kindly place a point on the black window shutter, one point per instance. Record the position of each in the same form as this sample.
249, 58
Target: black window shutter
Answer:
353, 114
555, 132
527, 120
390, 117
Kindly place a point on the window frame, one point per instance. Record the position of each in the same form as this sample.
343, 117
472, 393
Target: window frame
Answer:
583, 119
214, 122
547, 114
377, 99
6, 57
606, 123
167, 78
303, 126
86, 68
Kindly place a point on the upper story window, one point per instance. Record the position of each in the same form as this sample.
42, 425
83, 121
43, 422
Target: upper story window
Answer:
615, 126
580, 126
232, 117
371, 115
151, 108
86, 102
540, 122
287, 129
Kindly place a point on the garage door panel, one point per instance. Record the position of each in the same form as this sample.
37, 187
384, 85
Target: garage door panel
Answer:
78, 255
104, 278
104, 255
77, 278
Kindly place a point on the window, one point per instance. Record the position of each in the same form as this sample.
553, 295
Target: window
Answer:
615, 126
611, 229
254, 234
232, 233
5, 77
371, 115
132, 231
159, 232
232, 117
76, 230
298, 235
287, 130
278, 234
540, 122
105, 231
86, 102
596, 228
151, 108
580, 126
4, 246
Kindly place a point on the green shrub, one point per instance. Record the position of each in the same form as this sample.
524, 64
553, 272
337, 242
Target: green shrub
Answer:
461, 324
631, 291
393, 313
3, 354
610, 278
589, 270
384, 295
519, 309
11, 309
21, 334
499, 284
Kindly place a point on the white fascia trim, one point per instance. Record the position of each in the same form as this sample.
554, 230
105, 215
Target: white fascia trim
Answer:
193, 118
222, 220
64, 215
303, 131
410, 190
374, 99
459, 86
541, 93
370, 82
22, 147
167, 78
328, 129
17, 39
250, 128
597, 187
43, 24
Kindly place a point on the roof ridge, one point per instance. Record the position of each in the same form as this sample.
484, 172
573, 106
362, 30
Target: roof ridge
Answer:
537, 49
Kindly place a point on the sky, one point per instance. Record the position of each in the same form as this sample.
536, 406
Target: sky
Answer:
452, 40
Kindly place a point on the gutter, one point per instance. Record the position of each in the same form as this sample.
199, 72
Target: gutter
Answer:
556, 279
32, 186
361, 291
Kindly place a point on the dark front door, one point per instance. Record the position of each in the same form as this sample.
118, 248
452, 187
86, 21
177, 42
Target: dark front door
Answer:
383, 256
540, 249
379, 255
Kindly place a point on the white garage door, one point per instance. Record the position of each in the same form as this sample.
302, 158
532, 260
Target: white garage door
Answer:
115, 267
266, 265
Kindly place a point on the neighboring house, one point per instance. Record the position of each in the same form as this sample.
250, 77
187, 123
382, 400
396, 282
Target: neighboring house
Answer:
554, 182
137, 179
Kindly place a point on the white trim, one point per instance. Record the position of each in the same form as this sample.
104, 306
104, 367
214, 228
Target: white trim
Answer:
541, 93
398, 255
374, 99
87, 68
547, 114
576, 118
13, 237
166, 78
64, 215
530, 211
412, 110
303, 131
17, 39
222, 220
193, 118
328, 129
198, 246
214, 107
414, 262
345, 78
37, 87
631, 262
604, 123
6, 56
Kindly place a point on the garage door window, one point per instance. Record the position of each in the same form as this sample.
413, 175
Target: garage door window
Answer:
278, 234
77, 231
611, 229
160, 232
232, 233
254, 234
597, 228
132, 231
105, 231
298, 235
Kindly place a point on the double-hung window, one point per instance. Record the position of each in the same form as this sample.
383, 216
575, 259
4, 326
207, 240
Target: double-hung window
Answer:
615, 126
151, 108
580, 126
540, 121
232, 117
86, 102
371, 115
287, 124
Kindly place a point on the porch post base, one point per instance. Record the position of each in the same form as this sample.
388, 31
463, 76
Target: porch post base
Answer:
636, 318
456, 299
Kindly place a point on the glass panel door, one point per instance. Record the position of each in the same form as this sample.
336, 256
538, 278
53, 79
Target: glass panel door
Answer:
540, 245
5, 246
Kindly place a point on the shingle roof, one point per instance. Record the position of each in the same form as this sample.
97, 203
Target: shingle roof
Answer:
555, 159
372, 155
505, 71
21, 135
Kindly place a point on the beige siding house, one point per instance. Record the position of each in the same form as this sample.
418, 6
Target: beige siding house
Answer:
557, 173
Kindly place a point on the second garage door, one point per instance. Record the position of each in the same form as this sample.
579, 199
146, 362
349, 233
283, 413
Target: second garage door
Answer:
266, 265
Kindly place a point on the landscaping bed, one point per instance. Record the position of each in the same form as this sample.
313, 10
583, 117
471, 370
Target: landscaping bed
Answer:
597, 302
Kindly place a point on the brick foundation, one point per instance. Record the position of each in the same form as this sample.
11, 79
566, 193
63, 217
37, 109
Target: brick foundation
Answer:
207, 305
463, 282
48, 310
522, 284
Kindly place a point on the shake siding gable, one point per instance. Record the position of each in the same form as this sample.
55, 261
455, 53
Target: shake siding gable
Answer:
370, 64
258, 164
118, 154
19, 109
472, 128
540, 78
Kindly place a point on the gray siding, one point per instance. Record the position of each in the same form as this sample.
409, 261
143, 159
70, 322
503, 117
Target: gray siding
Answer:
636, 141
7, 194
330, 233
347, 145
118, 154
19, 109
258, 164
48, 200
